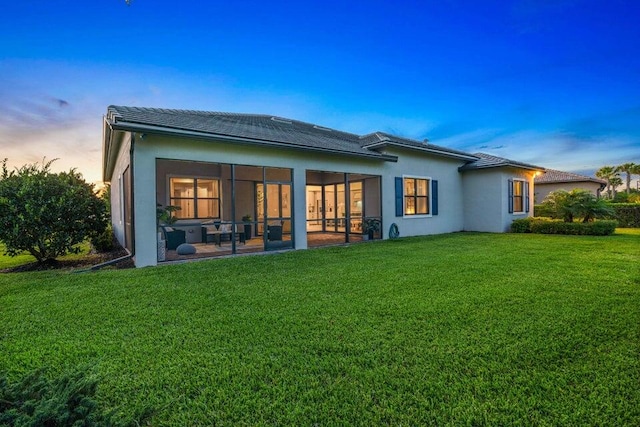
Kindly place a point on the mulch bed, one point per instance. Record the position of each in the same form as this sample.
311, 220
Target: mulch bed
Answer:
87, 261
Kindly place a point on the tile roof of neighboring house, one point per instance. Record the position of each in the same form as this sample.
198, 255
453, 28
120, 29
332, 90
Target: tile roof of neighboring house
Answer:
488, 161
553, 176
266, 129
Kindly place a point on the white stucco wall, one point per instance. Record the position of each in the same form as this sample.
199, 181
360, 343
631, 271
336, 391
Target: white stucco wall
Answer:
486, 198
117, 208
450, 216
153, 147
474, 200
482, 205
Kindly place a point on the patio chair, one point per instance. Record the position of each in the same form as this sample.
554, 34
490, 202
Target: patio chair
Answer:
274, 232
174, 237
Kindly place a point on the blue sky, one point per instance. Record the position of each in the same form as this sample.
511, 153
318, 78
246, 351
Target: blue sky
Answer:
554, 83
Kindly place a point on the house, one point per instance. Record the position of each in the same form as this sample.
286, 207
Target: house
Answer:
553, 180
248, 183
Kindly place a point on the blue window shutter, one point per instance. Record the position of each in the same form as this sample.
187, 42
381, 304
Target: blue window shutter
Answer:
510, 196
526, 196
434, 197
399, 197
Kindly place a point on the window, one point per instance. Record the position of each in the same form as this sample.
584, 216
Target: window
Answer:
196, 197
518, 196
416, 196
518, 191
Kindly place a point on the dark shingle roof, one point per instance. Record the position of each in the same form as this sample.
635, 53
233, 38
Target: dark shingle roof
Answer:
553, 176
378, 139
256, 127
488, 161
267, 129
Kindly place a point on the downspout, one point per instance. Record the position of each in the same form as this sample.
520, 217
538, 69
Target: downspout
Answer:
105, 264
133, 210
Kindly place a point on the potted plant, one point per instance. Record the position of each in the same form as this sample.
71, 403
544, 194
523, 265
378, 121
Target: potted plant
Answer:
247, 219
370, 226
165, 214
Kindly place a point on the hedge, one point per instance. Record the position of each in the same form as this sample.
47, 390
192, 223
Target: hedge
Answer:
549, 226
627, 214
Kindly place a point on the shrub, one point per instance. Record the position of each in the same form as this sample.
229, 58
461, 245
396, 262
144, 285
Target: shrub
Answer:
627, 214
47, 214
542, 211
103, 242
522, 225
37, 401
595, 228
577, 203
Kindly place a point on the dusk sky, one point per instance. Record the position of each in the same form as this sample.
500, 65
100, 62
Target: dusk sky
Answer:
553, 83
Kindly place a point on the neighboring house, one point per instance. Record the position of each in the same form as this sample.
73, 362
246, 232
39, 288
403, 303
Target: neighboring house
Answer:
303, 185
553, 180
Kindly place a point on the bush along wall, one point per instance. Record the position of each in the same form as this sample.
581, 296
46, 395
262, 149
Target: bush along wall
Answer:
627, 214
548, 226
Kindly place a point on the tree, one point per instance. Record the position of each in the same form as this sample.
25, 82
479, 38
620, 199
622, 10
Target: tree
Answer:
607, 173
47, 214
627, 168
577, 203
636, 171
616, 182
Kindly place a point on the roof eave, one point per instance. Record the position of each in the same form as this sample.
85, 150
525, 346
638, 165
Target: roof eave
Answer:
465, 168
137, 127
426, 149
110, 149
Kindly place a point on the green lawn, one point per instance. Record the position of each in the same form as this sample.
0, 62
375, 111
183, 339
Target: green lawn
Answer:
27, 258
458, 329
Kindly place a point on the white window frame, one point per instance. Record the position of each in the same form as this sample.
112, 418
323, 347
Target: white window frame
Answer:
429, 197
523, 195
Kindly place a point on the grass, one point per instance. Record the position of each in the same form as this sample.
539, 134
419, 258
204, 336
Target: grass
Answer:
26, 258
459, 329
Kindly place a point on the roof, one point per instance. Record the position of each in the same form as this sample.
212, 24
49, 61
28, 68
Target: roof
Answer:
250, 128
381, 139
555, 176
487, 161
273, 131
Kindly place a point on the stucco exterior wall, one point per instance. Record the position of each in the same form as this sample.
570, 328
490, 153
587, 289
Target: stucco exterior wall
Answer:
450, 216
507, 218
473, 200
116, 180
542, 190
483, 200
486, 198
152, 147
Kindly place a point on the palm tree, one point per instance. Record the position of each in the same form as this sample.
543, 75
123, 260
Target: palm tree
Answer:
636, 171
627, 168
577, 203
616, 182
607, 173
